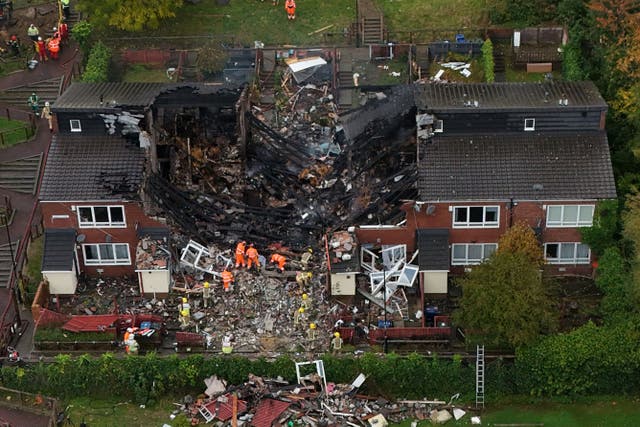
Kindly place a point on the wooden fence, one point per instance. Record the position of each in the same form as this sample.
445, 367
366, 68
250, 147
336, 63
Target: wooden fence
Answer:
25, 126
29, 402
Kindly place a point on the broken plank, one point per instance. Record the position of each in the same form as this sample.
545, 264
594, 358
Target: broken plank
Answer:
319, 30
376, 301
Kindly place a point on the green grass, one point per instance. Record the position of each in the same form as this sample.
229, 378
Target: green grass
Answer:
13, 132
523, 76
114, 412
143, 73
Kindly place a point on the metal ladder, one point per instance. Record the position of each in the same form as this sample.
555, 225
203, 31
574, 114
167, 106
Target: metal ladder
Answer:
480, 376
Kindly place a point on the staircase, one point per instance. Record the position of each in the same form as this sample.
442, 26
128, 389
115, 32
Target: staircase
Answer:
6, 263
47, 90
370, 23
480, 376
499, 71
21, 175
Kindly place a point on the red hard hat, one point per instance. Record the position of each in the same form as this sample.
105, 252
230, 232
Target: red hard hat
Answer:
13, 37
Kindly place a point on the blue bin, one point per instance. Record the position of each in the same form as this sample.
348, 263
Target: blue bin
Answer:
459, 38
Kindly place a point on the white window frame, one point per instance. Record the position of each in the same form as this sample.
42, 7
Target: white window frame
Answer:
571, 224
466, 260
573, 260
531, 127
438, 126
96, 224
75, 125
100, 261
469, 224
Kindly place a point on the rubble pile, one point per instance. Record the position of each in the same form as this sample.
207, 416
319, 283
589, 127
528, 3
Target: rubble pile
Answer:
312, 402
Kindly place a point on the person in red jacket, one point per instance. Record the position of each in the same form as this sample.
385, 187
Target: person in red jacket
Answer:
290, 7
41, 48
63, 29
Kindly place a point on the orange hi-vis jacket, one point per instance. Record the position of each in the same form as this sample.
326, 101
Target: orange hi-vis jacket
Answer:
252, 256
227, 278
280, 259
240, 251
290, 7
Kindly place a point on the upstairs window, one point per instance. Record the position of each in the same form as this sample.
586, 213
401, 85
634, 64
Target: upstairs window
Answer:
570, 215
101, 216
529, 124
74, 126
567, 253
476, 216
438, 126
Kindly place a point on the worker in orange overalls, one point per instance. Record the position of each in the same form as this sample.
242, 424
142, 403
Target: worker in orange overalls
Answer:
240, 252
227, 280
252, 257
54, 47
290, 7
281, 260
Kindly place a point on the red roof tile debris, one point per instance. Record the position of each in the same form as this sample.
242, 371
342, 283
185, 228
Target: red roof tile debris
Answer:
96, 323
268, 410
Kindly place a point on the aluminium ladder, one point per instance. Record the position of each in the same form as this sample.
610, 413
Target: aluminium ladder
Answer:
480, 376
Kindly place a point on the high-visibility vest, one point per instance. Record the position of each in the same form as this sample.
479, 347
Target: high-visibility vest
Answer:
54, 45
65, 3
32, 31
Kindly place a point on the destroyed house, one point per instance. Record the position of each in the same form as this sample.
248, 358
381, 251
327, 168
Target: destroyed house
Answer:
491, 155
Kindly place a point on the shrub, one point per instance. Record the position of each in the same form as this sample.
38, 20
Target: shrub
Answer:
98, 65
487, 61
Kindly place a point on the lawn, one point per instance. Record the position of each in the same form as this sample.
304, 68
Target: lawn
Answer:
146, 74
13, 132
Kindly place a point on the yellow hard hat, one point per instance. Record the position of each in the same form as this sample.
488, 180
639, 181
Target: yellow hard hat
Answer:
312, 326
305, 296
336, 334
206, 284
310, 250
301, 310
184, 300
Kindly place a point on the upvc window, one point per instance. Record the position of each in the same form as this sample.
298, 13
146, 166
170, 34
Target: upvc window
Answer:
438, 126
74, 126
570, 215
471, 253
567, 253
101, 216
476, 216
529, 124
106, 254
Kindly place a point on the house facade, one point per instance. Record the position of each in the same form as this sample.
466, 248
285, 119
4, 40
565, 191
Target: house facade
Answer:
492, 155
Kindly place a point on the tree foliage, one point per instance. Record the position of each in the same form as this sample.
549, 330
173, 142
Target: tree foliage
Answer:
520, 238
487, 61
504, 301
615, 281
82, 33
98, 65
605, 231
130, 15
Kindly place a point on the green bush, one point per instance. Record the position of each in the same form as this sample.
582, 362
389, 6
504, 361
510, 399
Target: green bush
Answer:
98, 65
487, 61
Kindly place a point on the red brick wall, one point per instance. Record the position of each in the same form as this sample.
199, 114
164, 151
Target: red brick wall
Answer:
133, 215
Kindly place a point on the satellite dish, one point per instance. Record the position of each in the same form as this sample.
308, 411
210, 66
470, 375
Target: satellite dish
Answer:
80, 238
431, 209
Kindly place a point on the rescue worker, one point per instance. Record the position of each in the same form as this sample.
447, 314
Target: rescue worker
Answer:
54, 47
306, 258
56, 34
281, 260
303, 278
126, 337
206, 294
41, 48
185, 312
311, 332
14, 45
240, 252
63, 29
252, 257
133, 345
227, 279
290, 7
46, 114
336, 343
33, 33
226, 344
307, 303
298, 316
34, 103
66, 10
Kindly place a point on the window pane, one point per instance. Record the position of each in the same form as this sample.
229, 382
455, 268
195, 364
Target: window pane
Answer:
85, 215
122, 252
489, 250
554, 213
582, 251
586, 214
475, 252
90, 252
117, 214
106, 252
460, 214
567, 250
570, 215
101, 213
491, 214
551, 250
459, 252
476, 214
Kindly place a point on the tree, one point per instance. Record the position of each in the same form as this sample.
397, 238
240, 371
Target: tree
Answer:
631, 231
81, 33
487, 61
605, 231
615, 281
130, 15
521, 238
505, 302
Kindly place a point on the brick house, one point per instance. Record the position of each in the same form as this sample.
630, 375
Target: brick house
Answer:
490, 155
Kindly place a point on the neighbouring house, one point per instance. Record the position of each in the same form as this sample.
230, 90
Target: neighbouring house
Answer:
490, 155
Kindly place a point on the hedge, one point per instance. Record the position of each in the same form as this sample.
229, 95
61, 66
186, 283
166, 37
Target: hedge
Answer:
98, 65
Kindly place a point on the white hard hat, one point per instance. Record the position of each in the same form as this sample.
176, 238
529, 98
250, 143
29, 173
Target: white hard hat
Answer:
46, 103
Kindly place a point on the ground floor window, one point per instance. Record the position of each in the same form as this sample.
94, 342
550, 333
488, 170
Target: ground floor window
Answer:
567, 253
106, 254
471, 253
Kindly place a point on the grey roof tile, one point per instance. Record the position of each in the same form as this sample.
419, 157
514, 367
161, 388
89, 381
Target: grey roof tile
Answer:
433, 246
59, 247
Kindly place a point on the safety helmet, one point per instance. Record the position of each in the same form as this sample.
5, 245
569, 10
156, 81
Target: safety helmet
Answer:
305, 296
129, 330
33, 94
312, 326
336, 334
39, 39
13, 37
46, 104
184, 299
55, 28
310, 250
301, 310
206, 284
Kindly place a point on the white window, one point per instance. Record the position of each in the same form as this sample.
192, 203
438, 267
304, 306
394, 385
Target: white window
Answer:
567, 253
75, 126
471, 253
476, 216
101, 216
529, 124
106, 254
570, 215
438, 126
